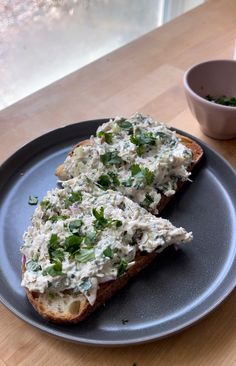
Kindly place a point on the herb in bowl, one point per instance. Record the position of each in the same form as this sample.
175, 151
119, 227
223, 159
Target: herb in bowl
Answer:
223, 100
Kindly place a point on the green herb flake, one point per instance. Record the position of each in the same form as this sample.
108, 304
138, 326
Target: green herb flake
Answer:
109, 180
125, 125
54, 270
74, 197
108, 252
72, 243
223, 100
148, 200
101, 222
104, 181
75, 226
111, 158
140, 150
135, 169
107, 136
85, 255
33, 200
58, 254
53, 245
122, 267
114, 178
118, 223
142, 175
143, 139
149, 176
90, 238
33, 266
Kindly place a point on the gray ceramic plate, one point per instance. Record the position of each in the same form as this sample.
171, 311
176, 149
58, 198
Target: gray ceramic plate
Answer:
178, 289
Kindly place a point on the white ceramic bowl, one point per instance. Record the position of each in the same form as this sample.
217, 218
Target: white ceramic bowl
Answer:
216, 78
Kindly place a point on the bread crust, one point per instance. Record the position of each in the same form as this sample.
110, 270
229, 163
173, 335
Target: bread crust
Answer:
81, 308
105, 292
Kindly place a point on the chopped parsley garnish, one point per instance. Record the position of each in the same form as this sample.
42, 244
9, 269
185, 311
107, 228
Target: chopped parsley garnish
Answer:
122, 267
143, 140
148, 200
90, 238
58, 254
33, 200
149, 176
111, 158
104, 181
72, 243
101, 222
142, 175
223, 100
53, 245
33, 266
125, 125
108, 252
118, 223
85, 255
106, 135
135, 169
109, 180
75, 226
54, 270
72, 198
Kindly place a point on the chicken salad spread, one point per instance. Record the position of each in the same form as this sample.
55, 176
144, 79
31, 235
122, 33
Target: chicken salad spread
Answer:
82, 236
139, 157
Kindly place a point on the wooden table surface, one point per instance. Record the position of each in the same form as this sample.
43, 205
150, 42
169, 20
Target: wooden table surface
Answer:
144, 76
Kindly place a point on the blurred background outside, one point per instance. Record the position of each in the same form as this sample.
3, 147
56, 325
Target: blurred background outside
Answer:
42, 41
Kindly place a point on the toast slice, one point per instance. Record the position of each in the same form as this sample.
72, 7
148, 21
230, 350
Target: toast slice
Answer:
45, 273
168, 160
67, 272
73, 308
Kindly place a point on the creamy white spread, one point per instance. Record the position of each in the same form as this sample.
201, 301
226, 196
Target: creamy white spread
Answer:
82, 236
137, 156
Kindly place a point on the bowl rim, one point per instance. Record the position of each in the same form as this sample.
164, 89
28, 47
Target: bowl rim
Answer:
198, 97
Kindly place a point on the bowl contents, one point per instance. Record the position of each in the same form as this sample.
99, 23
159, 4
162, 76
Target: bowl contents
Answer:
223, 100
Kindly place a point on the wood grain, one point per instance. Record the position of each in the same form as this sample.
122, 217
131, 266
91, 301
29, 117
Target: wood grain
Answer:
144, 76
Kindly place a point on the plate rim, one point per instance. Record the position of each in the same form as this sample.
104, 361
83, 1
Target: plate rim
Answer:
45, 327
